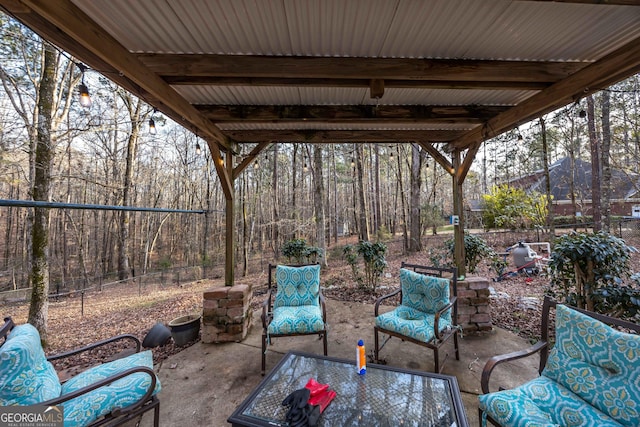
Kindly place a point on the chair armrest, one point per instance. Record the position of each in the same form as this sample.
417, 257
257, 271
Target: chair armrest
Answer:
384, 297
496, 360
107, 381
97, 344
439, 313
266, 311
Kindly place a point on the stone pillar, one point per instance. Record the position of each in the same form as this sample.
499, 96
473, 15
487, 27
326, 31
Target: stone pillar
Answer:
473, 304
226, 313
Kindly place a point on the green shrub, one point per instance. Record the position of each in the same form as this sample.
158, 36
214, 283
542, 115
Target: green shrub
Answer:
587, 270
512, 208
475, 250
297, 250
374, 262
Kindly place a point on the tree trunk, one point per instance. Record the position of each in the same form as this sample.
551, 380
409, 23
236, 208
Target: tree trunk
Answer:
363, 229
545, 164
275, 219
606, 167
38, 309
595, 166
405, 231
415, 243
127, 187
318, 201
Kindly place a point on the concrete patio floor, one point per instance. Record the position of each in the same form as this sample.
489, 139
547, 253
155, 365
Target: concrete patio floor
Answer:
203, 384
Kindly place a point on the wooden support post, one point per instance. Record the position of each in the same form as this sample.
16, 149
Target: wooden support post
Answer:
229, 262
458, 209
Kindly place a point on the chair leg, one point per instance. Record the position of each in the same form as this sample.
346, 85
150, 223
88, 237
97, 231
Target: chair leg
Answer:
375, 345
156, 415
455, 345
437, 360
324, 336
264, 351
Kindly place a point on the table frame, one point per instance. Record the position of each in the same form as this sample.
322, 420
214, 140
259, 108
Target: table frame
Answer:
238, 419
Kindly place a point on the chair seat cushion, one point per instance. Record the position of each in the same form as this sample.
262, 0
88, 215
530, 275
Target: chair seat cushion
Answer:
26, 377
296, 320
411, 323
542, 402
120, 394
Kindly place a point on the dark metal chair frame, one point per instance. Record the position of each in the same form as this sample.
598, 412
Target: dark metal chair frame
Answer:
542, 346
440, 337
267, 316
118, 416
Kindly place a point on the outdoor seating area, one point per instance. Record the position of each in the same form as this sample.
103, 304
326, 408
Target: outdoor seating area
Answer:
428, 311
591, 376
296, 308
112, 393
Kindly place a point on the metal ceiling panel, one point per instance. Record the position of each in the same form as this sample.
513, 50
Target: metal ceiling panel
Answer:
342, 126
488, 29
288, 95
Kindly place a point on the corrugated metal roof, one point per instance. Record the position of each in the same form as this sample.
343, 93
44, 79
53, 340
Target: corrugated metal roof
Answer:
488, 29
286, 95
342, 126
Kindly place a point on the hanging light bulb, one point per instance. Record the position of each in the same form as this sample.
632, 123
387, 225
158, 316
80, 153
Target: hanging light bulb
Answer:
198, 149
85, 98
256, 165
152, 127
305, 168
391, 157
353, 163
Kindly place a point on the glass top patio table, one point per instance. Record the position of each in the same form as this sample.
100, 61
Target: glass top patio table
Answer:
384, 396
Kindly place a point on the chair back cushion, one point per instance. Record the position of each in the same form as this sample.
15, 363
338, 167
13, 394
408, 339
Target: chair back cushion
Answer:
297, 286
121, 393
26, 377
424, 293
598, 363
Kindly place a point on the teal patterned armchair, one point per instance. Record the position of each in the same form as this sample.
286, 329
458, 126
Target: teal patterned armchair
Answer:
428, 310
294, 305
112, 393
590, 378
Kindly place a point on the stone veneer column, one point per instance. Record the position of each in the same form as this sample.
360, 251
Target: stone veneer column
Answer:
226, 313
473, 304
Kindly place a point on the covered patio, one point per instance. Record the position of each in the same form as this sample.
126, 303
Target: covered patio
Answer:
246, 74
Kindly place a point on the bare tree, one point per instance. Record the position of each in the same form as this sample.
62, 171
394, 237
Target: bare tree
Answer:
41, 190
594, 144
318, 201
415, 241
605, 159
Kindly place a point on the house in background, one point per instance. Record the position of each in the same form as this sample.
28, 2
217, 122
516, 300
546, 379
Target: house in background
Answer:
625, 194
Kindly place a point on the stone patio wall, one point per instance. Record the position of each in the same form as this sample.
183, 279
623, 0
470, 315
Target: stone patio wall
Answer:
473, 304
226, 313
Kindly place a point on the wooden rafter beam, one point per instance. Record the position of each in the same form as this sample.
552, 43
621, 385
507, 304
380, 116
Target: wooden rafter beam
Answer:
364, 83
343, 113
305, 67
249, 158
338, 136
621, 63
437, 156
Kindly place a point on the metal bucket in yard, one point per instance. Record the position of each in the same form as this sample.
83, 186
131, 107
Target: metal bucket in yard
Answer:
185, 329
